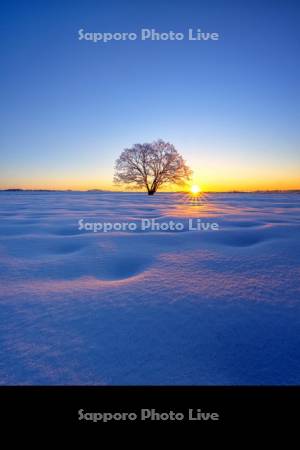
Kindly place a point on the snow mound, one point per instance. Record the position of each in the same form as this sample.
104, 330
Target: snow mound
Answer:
146, 306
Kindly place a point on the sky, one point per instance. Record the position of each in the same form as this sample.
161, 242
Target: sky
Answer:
69, 107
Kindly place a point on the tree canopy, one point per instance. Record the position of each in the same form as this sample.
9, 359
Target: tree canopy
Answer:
150, 166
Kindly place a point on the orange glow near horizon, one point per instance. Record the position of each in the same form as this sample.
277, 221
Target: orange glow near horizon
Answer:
212, 179
248, 187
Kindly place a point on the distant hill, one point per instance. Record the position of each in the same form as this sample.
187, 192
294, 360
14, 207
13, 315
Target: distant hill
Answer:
50, 190
29, 190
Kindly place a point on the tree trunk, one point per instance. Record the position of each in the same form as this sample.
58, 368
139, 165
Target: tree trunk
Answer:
151, 192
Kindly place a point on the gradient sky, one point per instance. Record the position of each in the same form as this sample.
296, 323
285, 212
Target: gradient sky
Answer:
69, 107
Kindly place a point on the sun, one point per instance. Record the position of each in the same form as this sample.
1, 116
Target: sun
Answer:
195, 189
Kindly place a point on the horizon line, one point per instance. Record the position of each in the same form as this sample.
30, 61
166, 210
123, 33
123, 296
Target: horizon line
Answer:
238, 191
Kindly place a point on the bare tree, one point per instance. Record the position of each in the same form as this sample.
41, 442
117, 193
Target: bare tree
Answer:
150, 166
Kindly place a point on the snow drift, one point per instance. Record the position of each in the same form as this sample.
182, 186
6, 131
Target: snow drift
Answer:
149, 307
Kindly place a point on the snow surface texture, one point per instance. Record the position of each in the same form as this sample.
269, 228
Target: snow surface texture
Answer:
185, 307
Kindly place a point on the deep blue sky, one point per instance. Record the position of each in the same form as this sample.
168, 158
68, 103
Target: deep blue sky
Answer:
69, 107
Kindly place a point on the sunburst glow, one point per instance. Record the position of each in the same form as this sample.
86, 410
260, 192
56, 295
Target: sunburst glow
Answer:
195, 189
